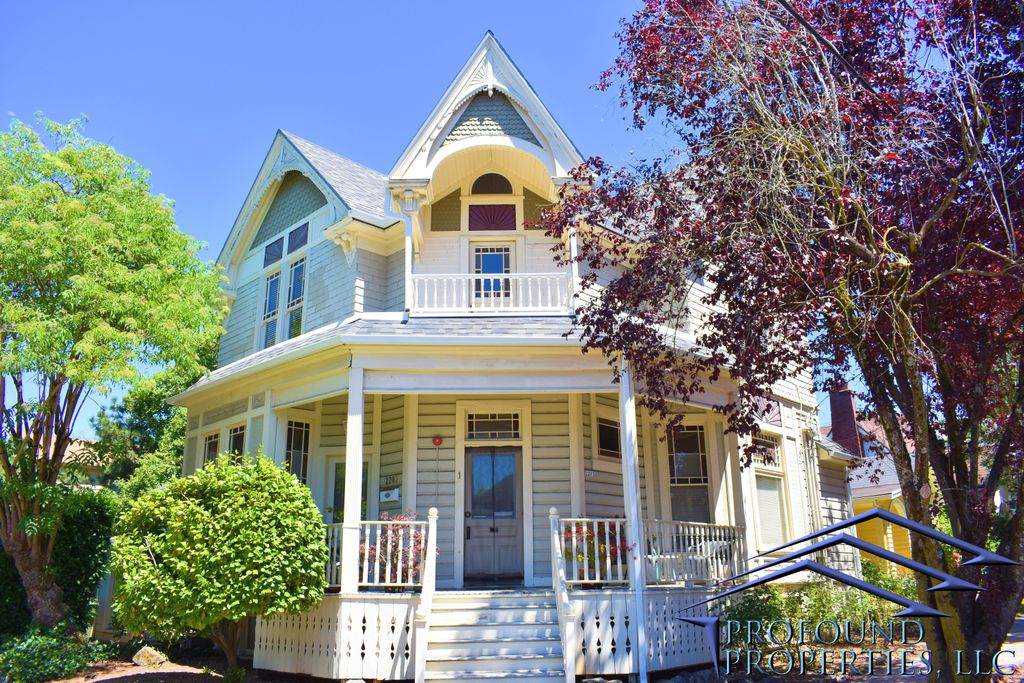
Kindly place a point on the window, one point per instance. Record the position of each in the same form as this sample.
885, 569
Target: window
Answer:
491, 183
771, 511
493, 259
688, 475
298, 237
236, 440
492, 426
769, 455
296, 453
608, 443
211, 446
290, 310
273, 252
271, 302
771, 492
296, 287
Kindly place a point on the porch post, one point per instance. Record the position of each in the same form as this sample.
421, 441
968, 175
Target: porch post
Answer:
634, 518
353, 483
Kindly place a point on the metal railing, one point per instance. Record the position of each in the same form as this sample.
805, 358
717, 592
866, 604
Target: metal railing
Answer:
491, 293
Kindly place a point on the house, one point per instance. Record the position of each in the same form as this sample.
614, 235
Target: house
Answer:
403, 342
873, 480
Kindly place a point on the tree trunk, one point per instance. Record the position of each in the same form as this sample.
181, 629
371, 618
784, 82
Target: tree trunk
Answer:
225, 635
45, 599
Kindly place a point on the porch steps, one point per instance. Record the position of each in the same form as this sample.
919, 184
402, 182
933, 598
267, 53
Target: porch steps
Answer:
485, 635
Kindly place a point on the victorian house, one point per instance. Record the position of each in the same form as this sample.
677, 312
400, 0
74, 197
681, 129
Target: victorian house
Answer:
495, 505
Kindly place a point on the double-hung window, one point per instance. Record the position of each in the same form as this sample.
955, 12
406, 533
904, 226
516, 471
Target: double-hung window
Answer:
770, 495
688, 475
283, 299
236, 441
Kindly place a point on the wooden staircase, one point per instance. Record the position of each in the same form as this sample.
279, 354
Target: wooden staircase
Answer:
485, 635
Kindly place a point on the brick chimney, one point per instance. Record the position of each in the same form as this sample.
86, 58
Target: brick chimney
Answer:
844, 419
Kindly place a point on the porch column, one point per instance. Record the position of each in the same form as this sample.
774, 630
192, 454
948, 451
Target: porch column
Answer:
634, 515
353, 482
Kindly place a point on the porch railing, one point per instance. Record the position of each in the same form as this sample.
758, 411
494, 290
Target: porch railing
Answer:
491, 293
691, 552
392, 554
675, 553
595, 550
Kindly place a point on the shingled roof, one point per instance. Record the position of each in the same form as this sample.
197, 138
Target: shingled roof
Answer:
363, 190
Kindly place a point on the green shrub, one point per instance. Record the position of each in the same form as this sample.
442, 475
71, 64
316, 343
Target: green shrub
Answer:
43, 655
202, 552
900, 583
81, 554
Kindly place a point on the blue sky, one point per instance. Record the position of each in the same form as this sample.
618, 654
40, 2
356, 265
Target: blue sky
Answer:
195, 90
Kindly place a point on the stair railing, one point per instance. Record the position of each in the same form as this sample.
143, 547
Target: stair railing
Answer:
566, 615
422, 617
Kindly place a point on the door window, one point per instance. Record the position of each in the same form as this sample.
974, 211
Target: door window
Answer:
495, 260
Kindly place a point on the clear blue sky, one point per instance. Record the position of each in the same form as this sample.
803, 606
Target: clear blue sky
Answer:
195, 90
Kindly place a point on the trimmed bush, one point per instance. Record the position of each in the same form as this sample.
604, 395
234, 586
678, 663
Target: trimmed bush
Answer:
81, 555
201, 553
44, 655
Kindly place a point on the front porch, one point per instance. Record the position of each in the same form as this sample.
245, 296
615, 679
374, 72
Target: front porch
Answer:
502, 469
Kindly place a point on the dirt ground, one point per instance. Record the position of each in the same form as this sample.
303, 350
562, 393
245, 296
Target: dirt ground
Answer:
204, 669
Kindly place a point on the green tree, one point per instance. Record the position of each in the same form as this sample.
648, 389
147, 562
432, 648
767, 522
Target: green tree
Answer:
205, 551
95, 280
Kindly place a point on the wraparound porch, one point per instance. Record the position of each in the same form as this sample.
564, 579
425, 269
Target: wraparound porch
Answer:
548, 428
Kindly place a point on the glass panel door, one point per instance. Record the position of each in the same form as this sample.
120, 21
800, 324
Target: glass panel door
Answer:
491, 259
493, 547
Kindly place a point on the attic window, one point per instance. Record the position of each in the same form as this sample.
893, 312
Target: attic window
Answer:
492, 183
273, 252
298, 237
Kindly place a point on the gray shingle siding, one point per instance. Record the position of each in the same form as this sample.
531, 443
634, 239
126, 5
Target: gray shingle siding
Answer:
330, 286
490, 115
296, 198
240, 324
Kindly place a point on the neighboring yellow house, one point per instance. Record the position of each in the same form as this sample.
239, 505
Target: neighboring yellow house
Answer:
873, 484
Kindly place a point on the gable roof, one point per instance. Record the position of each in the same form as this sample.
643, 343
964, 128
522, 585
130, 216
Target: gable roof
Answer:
488, 70
353, 190
362, 189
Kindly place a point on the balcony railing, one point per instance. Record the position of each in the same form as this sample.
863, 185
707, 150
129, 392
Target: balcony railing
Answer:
478, 294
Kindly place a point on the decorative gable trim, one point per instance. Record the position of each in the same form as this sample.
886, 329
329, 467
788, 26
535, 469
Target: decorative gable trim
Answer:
282, 158
489, 70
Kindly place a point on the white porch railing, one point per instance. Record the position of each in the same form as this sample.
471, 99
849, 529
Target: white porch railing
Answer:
675, 553
690, 552
392, 554
595, 550
481, 294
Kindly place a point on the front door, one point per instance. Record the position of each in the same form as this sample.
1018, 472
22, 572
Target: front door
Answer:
336, 492
494, 541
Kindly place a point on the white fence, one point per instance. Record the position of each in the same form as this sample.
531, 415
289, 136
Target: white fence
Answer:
490, 294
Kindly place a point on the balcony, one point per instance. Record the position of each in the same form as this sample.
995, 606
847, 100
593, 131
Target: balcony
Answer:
491, 294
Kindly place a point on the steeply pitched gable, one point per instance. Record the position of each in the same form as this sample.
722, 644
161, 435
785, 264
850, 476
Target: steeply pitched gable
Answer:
489, 98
